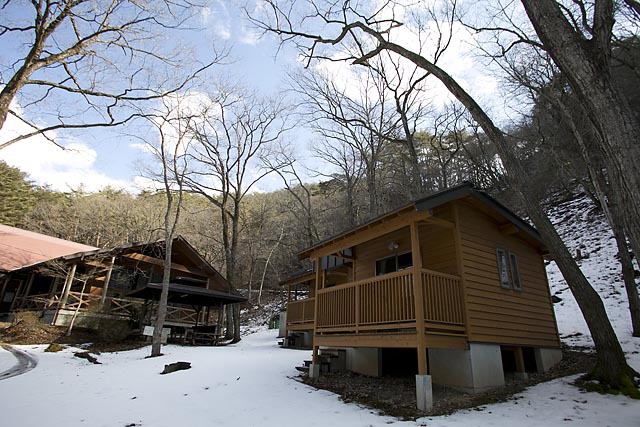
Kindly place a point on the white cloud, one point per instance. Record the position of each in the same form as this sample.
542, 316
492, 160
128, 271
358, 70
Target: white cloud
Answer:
47, 164
205, 14
249, 36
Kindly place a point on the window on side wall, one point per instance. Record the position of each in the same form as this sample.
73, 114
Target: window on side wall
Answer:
508, 270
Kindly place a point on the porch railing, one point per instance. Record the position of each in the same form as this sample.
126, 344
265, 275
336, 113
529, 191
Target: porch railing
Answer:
123, 307
301, 311
388, 302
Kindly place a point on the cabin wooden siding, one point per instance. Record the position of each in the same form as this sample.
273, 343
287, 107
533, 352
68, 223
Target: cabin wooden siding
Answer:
438, 249
437, 246
367, 253
495, 314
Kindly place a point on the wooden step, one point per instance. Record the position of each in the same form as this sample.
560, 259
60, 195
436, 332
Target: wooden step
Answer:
304, 369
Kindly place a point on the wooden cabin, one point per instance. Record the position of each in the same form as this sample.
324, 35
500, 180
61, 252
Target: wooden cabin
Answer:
451, 287
64, 281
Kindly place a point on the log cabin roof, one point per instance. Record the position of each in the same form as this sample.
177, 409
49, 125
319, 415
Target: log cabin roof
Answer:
183, 252
21, 248
465, 190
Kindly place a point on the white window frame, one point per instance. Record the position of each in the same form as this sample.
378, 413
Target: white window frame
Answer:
515, 272
503, 268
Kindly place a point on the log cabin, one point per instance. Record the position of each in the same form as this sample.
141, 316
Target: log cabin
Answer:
63, 281
451, 287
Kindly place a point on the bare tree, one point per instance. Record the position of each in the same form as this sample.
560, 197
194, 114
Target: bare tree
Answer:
546, 86
281, 161
367, 33
336, 150
361, 115
87, 63
232, 131
172, 125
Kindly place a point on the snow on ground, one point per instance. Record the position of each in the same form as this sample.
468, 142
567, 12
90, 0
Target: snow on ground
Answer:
583, 228
249, 384
252, 383
6, 360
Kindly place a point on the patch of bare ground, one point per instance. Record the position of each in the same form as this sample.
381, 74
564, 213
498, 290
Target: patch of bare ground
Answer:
27, 330
395, 396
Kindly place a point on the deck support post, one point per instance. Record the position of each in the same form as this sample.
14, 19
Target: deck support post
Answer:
314, 369
105, 286
419, 299
424, 393
521, 371
67, 286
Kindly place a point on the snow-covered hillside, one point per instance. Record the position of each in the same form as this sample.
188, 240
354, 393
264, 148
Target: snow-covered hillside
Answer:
253, 383
583, 227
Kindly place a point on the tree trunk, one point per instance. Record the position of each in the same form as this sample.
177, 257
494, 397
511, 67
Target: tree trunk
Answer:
612, 368
229, 325
628, 275
586, 65
236, 324
161, 314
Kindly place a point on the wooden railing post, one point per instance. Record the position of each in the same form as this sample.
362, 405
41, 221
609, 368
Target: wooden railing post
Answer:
357, 319
419, 298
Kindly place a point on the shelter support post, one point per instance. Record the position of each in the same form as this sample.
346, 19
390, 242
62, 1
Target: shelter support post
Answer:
107, 278
67, 286
27, 290
16, 296
5, 283
54, 289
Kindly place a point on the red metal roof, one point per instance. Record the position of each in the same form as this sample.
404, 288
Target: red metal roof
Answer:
21, 248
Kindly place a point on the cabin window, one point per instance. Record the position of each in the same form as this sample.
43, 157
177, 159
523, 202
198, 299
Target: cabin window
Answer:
503, 268
515, 272
508, 270
394, 263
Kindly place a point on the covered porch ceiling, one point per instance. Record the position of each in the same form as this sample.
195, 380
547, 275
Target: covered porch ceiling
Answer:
185, 294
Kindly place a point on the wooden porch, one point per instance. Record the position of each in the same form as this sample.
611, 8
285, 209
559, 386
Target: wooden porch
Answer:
381, 311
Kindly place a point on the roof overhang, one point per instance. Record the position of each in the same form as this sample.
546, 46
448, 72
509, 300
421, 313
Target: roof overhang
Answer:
425, 206
468, 190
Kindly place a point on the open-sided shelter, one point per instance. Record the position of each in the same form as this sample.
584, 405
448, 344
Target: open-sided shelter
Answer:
62, 280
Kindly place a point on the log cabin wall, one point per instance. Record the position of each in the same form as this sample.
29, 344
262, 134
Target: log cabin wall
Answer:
367, 253
495, 314
438, 249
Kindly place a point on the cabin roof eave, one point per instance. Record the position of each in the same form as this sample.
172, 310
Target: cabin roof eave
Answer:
427, 204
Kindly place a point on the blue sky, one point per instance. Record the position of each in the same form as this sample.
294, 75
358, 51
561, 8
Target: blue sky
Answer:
107, 156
